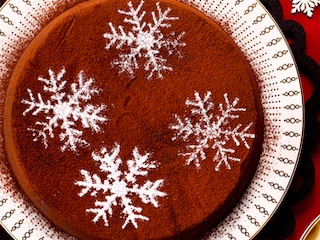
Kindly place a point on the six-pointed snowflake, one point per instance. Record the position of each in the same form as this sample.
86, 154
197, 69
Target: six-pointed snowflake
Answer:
64, 110
211, 131
144, 41
305, 6
118, 188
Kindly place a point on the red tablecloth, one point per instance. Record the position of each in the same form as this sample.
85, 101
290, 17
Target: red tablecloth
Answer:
309, 208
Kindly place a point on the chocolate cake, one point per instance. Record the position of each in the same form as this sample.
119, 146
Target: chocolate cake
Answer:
133, 120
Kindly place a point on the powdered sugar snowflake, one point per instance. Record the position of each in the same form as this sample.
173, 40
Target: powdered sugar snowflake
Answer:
144, 41
210, 131
64, 110
305, 6
120, 186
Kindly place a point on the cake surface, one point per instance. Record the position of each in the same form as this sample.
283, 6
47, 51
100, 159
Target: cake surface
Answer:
133, 120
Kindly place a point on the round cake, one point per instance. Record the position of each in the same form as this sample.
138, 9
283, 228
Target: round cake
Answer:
133, 120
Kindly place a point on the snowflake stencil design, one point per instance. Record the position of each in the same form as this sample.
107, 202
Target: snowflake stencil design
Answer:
63, 110
144, 41
119, 186
210, 131
305, 6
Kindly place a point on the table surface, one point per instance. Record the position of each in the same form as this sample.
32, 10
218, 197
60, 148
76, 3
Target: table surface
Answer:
295, 26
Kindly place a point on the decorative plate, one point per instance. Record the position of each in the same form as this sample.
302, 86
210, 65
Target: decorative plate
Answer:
260, 40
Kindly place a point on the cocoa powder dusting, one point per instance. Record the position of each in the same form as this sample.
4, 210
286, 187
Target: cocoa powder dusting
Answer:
139, 111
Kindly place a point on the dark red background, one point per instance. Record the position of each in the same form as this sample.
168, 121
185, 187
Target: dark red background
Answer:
309, 208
